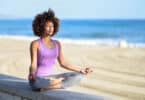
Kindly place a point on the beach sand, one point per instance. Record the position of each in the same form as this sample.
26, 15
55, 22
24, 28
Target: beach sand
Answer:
119, 73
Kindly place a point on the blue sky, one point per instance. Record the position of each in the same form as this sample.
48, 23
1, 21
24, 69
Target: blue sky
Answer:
74, 9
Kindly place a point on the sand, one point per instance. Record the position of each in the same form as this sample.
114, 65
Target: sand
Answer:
119, 73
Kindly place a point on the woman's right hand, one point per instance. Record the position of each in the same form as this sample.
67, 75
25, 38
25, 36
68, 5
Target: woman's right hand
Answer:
86, 71
31, 77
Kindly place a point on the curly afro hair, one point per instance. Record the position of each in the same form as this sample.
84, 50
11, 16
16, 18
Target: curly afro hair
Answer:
40, 21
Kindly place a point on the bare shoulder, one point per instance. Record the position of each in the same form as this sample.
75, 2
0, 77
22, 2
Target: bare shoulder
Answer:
34, 43
58, 42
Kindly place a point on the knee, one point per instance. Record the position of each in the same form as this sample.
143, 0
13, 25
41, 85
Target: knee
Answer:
78, 75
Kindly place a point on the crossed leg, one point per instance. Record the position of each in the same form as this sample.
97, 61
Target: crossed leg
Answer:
70, 79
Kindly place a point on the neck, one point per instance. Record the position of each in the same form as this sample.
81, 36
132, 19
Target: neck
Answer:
46, 39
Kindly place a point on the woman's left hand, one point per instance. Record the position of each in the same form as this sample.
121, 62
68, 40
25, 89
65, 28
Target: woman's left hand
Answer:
86, 71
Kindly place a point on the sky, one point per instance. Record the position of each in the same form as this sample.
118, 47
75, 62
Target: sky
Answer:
74, 9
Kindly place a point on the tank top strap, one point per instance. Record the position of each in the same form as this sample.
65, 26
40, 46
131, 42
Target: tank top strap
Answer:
55, 43
40, 42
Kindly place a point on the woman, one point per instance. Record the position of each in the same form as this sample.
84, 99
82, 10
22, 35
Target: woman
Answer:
44, 52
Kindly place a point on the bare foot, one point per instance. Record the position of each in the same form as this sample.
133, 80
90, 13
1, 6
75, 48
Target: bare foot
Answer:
54, 81
51, 87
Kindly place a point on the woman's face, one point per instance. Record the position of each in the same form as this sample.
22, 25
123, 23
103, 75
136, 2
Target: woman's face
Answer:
49, 28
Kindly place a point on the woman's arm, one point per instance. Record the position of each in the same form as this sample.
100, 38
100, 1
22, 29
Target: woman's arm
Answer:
65, 64
68, 66
33, 54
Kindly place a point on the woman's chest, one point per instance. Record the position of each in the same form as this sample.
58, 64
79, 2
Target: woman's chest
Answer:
47, 54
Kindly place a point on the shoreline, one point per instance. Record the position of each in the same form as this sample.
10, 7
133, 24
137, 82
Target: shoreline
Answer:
94, 42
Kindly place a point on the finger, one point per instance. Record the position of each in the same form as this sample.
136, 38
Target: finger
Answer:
87, 68
84, 72
89, 71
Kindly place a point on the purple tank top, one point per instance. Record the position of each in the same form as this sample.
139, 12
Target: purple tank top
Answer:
46, 58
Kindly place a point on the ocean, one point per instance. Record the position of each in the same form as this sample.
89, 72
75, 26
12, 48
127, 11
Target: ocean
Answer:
87, 31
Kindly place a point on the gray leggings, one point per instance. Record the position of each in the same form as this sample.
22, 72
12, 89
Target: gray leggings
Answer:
70, 79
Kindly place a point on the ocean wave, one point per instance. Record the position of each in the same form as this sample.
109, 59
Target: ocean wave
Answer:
104, 42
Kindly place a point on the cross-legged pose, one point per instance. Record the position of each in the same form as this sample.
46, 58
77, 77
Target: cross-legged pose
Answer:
44, 52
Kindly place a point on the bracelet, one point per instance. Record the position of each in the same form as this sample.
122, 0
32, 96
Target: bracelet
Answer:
80, 71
